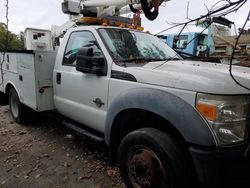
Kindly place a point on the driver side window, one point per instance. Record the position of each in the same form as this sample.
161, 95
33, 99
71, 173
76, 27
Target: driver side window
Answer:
76, 41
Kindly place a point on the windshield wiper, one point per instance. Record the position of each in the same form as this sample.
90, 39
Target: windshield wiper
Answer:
137, 60
166, 59
172, 59
143, 60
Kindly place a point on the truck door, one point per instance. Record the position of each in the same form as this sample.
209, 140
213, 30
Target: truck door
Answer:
79, 96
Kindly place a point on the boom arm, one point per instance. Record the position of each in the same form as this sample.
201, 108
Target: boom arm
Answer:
101, 8
101, 3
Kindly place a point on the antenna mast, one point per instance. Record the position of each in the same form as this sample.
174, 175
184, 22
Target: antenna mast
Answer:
7, 24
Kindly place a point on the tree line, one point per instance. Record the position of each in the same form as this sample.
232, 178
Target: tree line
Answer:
9, 40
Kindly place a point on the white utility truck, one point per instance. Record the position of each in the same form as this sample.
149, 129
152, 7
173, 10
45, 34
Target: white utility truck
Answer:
169, 122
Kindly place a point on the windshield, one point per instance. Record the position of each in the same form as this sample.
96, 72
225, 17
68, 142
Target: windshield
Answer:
131, 46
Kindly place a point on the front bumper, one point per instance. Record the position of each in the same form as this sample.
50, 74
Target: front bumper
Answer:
229, 167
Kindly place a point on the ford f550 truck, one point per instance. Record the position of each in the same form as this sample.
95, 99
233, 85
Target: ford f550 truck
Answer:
170, 122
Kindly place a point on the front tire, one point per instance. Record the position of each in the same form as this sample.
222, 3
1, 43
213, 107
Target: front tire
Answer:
16, 108
149, 158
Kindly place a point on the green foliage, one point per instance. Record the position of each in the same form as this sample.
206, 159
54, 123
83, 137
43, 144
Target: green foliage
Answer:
13, 43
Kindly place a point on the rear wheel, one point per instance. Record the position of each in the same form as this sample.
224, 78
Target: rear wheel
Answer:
16, 108
149, 158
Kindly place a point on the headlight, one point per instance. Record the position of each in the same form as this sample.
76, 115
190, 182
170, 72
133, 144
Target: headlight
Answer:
227, 115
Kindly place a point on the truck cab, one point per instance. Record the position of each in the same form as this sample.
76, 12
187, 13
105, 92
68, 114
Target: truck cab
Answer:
77, 90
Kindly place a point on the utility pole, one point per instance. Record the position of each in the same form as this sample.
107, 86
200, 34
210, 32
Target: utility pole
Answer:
7, 24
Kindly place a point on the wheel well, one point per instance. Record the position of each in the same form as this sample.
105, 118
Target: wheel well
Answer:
133, 119
7, 90
130, 120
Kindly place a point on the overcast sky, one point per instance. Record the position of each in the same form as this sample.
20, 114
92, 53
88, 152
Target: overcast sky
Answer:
44, 13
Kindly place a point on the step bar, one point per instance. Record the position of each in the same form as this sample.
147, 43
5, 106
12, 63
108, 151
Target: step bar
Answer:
82, 131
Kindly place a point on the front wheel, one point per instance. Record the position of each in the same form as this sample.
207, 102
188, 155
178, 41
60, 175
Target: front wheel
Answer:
149, 158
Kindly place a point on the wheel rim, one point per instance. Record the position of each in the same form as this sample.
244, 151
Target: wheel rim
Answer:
14, 105
145, 169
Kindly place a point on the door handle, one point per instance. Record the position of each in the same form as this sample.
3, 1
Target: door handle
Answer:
58, 78
21, 78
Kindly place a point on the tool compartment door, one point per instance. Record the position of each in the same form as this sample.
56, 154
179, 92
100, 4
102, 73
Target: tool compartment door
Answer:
44, 65
26, 76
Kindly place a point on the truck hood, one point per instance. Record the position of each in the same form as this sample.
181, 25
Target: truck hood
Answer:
195, 76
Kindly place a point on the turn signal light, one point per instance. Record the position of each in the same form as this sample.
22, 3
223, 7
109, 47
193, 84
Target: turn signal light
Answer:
209, 111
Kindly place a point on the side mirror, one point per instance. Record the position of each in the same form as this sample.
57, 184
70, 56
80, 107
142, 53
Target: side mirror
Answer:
87, 63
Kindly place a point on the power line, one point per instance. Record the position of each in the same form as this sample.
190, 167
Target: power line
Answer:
217, 12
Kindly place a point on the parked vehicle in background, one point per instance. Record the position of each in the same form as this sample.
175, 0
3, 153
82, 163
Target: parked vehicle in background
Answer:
215, 43
191, 43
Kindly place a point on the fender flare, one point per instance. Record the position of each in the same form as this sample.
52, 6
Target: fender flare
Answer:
178, 112
13, 85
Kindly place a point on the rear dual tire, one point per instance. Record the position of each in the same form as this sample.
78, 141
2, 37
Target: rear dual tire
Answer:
17, 110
